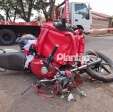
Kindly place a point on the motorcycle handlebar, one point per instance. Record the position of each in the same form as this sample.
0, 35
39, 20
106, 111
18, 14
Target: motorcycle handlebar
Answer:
50, 58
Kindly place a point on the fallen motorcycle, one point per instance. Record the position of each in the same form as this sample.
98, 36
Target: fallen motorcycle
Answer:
58, 59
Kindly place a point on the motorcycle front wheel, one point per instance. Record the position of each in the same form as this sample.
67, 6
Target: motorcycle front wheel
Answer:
102, 71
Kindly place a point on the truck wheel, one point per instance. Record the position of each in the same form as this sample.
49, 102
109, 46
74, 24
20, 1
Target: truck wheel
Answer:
102, 71
7, 37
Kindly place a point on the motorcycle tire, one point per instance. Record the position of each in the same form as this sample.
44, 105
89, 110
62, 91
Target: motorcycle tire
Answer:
98, 73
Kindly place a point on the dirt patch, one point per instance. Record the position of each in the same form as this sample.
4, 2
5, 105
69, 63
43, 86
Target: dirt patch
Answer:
96, 101
6, 101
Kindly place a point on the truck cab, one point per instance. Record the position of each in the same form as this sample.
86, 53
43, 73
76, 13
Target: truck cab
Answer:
80, 15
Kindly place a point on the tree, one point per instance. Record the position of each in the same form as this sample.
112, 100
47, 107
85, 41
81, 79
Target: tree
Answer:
23, 8
1, 17
47, 6
8, 7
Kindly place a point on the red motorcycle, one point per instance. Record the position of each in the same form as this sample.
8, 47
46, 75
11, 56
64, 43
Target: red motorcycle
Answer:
57, 58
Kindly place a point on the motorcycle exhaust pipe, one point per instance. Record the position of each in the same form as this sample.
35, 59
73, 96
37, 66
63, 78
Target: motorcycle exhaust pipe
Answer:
12, 61
47, 81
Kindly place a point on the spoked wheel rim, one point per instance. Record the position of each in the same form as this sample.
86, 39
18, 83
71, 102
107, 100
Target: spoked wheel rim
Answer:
104, 67
103, 70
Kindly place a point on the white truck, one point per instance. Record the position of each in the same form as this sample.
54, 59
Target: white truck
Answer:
78, 13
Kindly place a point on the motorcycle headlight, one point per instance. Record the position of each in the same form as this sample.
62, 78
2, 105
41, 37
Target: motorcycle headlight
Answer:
44, 70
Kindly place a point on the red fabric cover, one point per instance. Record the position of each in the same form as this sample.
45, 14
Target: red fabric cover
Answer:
69, 43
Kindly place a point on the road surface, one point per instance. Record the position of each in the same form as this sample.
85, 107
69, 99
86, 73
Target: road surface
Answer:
99, 95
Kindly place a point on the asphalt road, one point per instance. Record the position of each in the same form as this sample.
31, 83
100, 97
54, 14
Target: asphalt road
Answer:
99, 95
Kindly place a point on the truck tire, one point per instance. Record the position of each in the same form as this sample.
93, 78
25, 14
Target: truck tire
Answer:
106, 63
7, 37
